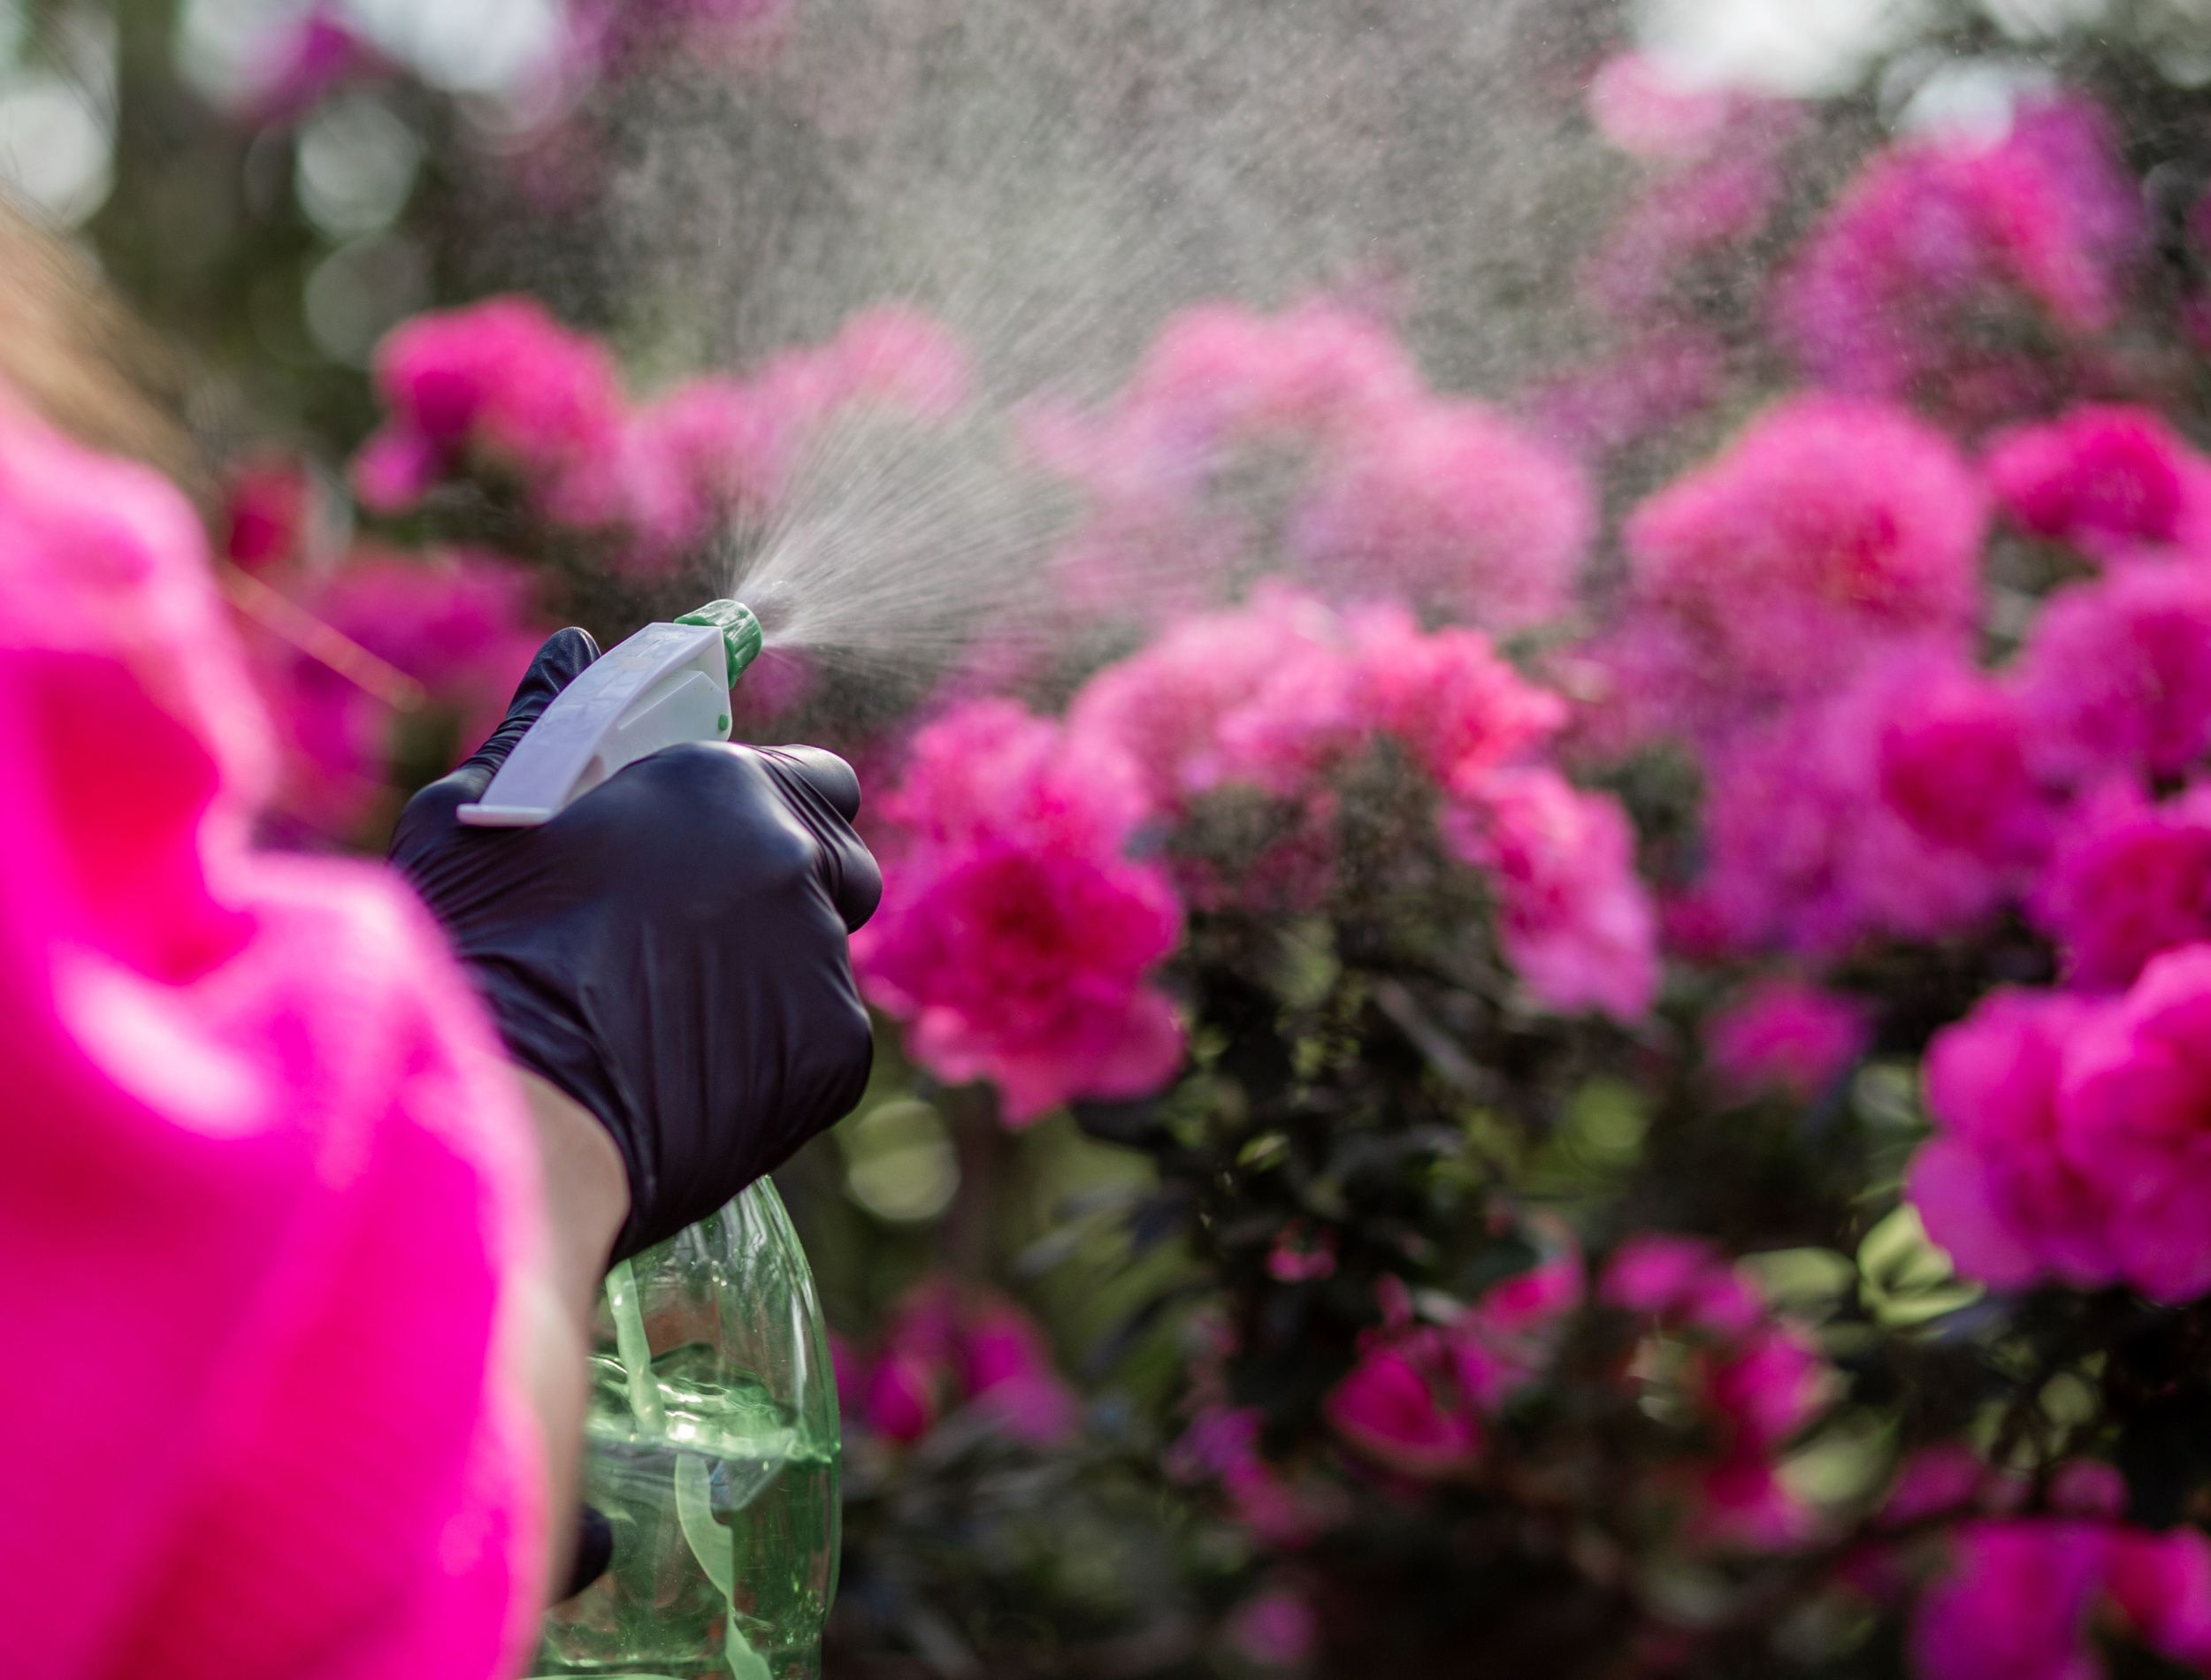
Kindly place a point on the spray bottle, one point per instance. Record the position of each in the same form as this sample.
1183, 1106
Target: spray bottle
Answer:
712, 1441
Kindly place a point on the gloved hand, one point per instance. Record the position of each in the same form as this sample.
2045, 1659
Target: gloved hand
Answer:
670, 950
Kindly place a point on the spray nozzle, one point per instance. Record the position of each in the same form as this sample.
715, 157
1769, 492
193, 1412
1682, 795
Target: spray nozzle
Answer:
740, 631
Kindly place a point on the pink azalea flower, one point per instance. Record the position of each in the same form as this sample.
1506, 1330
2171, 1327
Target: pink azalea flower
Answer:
1402, 1406
1573, 915
1939, 236
2134, 1116
2115, 677
1447, 696
1680, 1281
1649, 109
1785, 1034
1018, 938
1994, 1186
2128, 880
2015, 1604
1450, 505
502, 380
1901, 805
2107, 479
1828, 527
268, 511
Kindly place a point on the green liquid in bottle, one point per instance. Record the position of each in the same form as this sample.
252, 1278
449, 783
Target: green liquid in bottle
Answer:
719, 1474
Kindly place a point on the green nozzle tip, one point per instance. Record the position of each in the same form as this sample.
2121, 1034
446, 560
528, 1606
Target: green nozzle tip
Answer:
740, 631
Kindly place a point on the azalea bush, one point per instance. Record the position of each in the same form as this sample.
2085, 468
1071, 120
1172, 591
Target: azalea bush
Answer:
1561, 1028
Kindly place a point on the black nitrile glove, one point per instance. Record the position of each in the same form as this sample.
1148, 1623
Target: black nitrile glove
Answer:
670, 950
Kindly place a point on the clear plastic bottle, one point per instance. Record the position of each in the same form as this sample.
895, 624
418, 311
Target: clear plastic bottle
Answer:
712, 1446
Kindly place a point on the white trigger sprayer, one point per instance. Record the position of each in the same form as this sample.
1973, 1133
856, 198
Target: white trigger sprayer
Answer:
666, 685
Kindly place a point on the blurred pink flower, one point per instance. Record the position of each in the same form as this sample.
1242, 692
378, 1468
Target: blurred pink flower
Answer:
1938, 237
1276, 1629
2014, 1604
1663, 376
1448, 505
1901, 806
1573, 917
1017, 936
2115, 677
1649, 109
948, 1346
1996, 1187
2107, 479
1827, 527
1403, 1405
312, 52
1221, 1446
1675, 220
2128, 880
1680, 1281
503, 381
2134, 1116
459, 624
2021, 1594
1506, 1339
701, 452
1445, 696
1787, 1035
635, 37
268, 507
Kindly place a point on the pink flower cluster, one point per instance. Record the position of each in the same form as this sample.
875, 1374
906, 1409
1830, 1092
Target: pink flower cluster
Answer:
2109, 479
1939, 236
502, 385
459, 624
1908, 804
1787, 1036
1829, 529
2020, 1597
1275, 695
1018, 935
1753, 1380
1419, 1401
1372, 484
2073, 1136
947, 1346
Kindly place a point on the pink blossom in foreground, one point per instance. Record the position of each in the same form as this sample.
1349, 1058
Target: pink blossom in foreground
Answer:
1018, 938
503, 381
2128, 880
1680, 1281
1573, 915
1827, 528
2107, 479
1997, 1187
1221, 1446
2115, 677
1448, 504
1894, 293
1787, 1036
